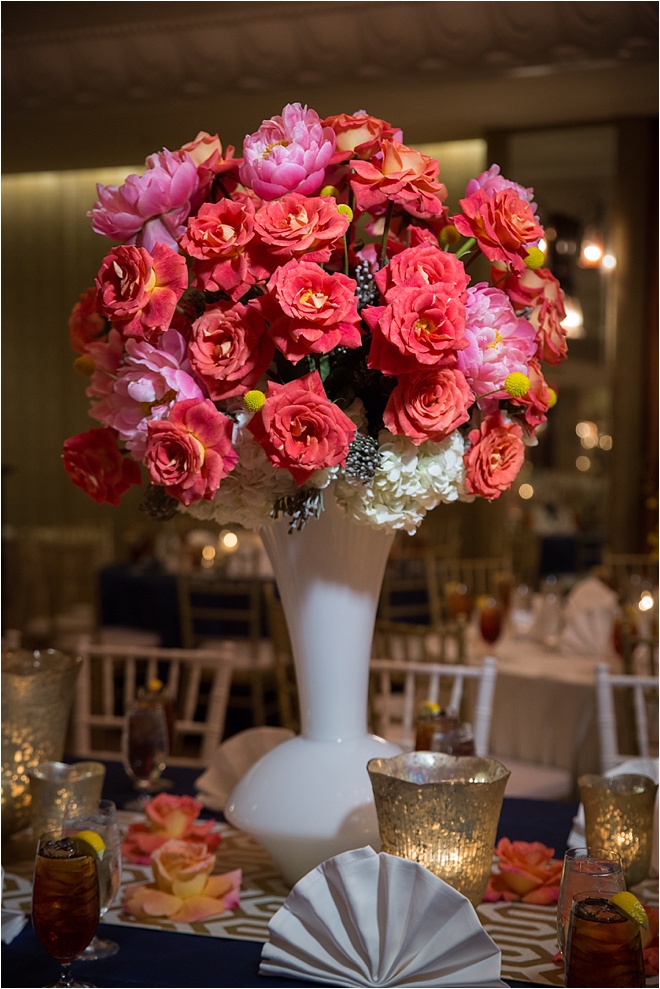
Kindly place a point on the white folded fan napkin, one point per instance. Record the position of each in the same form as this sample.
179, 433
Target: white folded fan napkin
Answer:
13, 922
231, 761
365, 918
645, 767
589, 614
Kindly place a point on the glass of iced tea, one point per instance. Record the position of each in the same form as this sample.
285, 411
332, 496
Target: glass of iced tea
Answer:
65, 899
603, 945
586, 870
145, 746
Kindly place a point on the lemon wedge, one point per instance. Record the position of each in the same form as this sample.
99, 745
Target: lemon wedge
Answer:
630, 905
427, 708
93, 840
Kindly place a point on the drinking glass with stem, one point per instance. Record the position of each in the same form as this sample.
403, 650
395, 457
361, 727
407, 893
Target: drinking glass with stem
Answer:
65, 899
145, 745
102, 820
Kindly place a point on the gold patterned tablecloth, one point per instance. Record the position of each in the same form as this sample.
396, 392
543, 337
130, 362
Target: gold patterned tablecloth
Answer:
525, 934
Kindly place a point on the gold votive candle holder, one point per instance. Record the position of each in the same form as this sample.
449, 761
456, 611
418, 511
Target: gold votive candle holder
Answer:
441, 811
618, 815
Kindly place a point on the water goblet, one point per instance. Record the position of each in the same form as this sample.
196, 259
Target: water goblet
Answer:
490, 620
603, 945
145, 747
591, 870
65, 899
103, 820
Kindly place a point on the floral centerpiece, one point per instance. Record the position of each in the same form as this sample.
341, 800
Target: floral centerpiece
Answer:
303, 317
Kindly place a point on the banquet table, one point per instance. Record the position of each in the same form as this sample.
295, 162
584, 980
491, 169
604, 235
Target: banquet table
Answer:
162, 958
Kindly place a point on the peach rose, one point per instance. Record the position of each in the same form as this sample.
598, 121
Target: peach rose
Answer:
190, 452
429, 405
359, 135
297, 225
230, 348
540, 291
494, 456
526, 871
138, 291
168, 817
402, 176
503, 224
300, 429
184, 891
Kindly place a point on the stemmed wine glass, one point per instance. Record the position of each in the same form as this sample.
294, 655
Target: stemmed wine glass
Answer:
490, 620
103, 821
65, 899
145, 747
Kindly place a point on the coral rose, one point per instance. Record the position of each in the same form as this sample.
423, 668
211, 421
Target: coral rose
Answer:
526, 871
401, 176
311, 311
418, 327
230, 348
359, 135
300, 429
85, 323
289, 153
429, 405
423, 265
297, 225
503, 224
190, 452
95, 464
184, 891
138, 291
494, 456
167, 817
152, 208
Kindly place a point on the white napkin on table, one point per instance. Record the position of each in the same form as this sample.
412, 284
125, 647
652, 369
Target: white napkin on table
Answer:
645, 767
13, 921
589, 614
231, 761
370, 919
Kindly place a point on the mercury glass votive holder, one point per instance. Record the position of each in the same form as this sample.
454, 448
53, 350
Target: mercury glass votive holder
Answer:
441, 811
618, 815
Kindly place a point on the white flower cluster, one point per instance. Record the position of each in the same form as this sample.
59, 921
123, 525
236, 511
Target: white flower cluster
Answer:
409, 482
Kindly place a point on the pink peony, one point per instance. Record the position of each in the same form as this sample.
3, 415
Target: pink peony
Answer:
311, 311
359, 135
138, 291
85, 323
148, 383
419, 327
190, 452
494, 456
230, 348
492, 181
503, 224
289, 153
95, 464
429, 405
541, 292
423, 265
152, 208
527, 871
168, 817
300, 429
401, 176
296, 226
184, 891
498, 343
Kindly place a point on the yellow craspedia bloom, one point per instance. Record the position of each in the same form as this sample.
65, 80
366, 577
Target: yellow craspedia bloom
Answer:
552, 398
345, 211
535, 258
329, 190
254, 400
84, 366
449, 235
516, 384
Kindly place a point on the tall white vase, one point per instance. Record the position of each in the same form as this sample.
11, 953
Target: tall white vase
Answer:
311, 798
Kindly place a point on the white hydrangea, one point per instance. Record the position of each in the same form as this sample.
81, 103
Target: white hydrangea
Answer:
409, 481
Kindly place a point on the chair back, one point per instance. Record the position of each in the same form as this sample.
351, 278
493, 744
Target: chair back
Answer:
197, 681
212, 607
285, 674
396, 710
627, 570
404, 592
641, 716
408, 642
481, 576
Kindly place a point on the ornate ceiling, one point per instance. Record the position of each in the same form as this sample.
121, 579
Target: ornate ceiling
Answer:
98, 83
